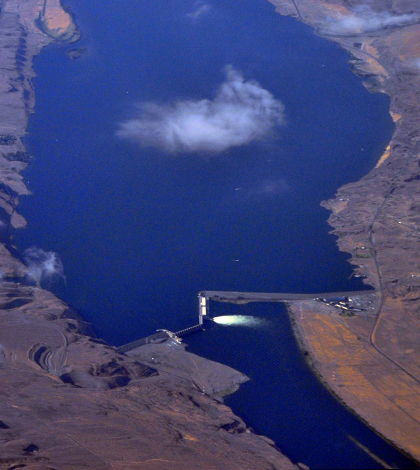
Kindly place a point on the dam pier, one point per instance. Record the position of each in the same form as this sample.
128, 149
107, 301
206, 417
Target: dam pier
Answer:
348, 303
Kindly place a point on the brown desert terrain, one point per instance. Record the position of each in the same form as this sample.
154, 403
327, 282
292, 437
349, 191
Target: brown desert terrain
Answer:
69, 401
61, 388
370, 358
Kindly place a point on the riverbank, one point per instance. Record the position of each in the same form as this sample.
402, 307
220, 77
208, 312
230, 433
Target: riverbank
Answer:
50, 358
371, 362
352, 372
68, 399
61, 390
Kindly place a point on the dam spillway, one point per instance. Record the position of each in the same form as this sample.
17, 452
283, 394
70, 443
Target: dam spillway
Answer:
341, 300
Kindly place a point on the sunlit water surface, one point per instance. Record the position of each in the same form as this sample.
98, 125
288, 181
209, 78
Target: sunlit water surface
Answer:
140, 231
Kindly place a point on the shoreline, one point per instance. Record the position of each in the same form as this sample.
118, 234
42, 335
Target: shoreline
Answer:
312, 363
58, 355
73, 386
369, 362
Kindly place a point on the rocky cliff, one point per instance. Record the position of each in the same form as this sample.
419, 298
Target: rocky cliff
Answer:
69, 401
370, 359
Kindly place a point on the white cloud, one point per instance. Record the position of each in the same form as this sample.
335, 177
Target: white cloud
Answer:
365, 19
263, 190
270, 187
200, 9
43, 265
242, 112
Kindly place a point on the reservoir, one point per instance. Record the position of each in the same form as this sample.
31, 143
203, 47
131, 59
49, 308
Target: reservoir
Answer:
142, 229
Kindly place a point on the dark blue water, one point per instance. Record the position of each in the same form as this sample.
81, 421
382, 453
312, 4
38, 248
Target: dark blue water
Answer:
140, 232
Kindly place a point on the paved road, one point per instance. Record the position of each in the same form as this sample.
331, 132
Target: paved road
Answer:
379, 312
394, 183
225, 296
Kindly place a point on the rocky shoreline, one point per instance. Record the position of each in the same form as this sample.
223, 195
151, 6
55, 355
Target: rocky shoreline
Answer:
370, 360
69, 400
61, 387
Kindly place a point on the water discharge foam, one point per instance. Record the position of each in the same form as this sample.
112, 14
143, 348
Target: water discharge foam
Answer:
239, 320
153, 252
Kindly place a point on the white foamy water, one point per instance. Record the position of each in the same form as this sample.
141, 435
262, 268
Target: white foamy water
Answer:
239, 320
